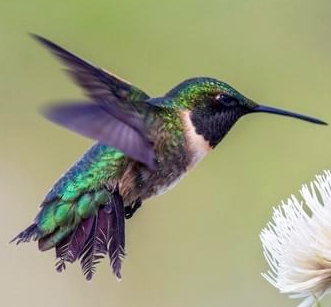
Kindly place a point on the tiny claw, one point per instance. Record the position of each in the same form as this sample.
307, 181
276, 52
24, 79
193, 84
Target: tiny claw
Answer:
129, 211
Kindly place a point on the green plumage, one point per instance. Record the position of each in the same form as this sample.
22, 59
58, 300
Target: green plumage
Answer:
79, 193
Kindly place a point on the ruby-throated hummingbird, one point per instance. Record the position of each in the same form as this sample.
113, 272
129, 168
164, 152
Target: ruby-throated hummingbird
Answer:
144, 147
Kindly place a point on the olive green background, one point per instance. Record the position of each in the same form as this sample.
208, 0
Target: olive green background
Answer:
197, 245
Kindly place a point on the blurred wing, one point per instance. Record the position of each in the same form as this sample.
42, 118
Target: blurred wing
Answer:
104, 125
99, 84
113, 119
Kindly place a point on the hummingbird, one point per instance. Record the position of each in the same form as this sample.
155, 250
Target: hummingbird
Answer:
144, 146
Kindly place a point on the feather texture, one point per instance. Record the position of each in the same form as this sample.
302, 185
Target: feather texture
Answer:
70, 249
123, 128
88, 239
106, 236
98, 83
94, 238
117, 242
89, 255
28, 234
107, 125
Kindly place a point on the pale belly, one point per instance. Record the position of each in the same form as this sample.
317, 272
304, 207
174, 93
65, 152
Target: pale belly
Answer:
161, 189
162, 181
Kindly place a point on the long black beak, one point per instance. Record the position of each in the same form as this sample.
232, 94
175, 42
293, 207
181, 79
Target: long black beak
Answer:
266, 109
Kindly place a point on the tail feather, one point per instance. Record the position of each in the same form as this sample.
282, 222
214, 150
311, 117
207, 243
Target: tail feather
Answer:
117, 242
89, 256
30, 233
70, 249
88, 239
53, 239
106, 236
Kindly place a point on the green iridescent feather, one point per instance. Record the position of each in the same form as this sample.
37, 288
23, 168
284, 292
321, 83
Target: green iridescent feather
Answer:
80, 191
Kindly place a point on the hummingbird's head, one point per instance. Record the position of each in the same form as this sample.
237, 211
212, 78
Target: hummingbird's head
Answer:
214, 107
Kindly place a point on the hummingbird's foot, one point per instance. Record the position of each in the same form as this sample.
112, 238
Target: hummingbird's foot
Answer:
129, 211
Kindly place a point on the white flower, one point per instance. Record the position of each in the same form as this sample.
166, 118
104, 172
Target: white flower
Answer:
297, 243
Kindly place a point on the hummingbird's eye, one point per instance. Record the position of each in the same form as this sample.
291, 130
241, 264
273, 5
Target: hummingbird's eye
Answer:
226, 99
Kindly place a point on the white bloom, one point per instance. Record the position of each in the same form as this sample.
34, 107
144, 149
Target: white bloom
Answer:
297, 243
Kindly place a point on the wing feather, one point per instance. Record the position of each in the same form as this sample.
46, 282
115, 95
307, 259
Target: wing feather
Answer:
112, 117
93, 121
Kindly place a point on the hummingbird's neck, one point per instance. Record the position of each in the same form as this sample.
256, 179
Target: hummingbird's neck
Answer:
213, 126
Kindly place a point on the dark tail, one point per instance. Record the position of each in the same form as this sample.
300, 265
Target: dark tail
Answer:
88, 240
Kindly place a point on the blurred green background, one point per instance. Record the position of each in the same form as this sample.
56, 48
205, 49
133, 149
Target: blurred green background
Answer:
197, 245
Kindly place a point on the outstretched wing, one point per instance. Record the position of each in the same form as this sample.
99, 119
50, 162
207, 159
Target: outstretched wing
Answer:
112, 119
99, 84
